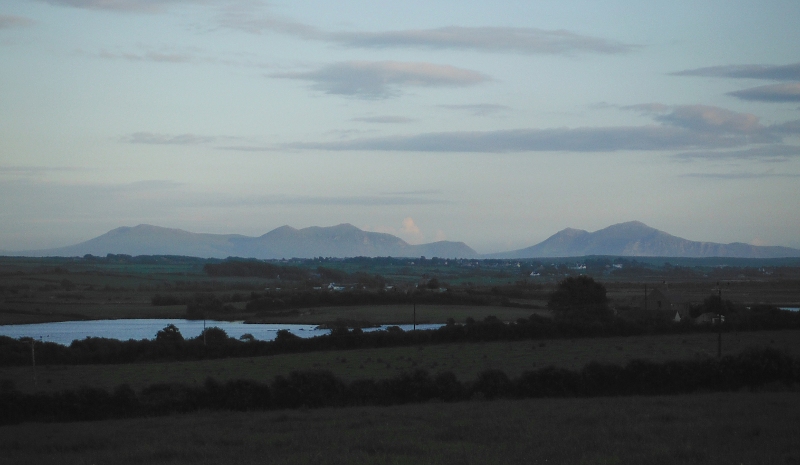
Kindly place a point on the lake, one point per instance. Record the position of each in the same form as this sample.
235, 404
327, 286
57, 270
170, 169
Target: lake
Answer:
64, 332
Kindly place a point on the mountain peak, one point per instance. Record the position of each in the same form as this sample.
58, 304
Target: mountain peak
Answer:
634, 238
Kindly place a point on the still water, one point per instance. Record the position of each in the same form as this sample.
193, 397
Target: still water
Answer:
65, 332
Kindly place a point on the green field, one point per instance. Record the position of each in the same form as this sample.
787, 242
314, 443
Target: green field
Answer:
727, 428
465, 360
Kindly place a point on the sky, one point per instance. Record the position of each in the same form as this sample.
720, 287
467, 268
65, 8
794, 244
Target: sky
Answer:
492, 123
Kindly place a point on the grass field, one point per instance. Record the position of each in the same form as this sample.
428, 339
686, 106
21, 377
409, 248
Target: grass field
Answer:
465, 360
728, 428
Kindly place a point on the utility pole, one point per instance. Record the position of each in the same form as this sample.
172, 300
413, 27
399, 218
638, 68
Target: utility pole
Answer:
719, 326
33, 360
414, 301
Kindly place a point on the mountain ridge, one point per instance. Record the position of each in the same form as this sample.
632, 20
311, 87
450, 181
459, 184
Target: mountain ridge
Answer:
343, 240
632, 238
636, 239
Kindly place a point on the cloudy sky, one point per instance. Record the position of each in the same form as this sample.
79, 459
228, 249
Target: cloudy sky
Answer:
493, 123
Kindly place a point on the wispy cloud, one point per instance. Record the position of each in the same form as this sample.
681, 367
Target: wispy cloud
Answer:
682, 127
742, 175
386, 119
295, 200
419, 192
382, 79
483, 39
12, 21
781, 92
166, 139
158, 57
784, 92
134, 6
767, 153
771, 72
789, 127
478, 109
378, 200
25, 170
606, 139
710, 119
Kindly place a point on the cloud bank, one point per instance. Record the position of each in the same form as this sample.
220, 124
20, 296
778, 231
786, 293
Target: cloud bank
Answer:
696, 129
784, 92
781, 92
382, 79
607, 139
777, 73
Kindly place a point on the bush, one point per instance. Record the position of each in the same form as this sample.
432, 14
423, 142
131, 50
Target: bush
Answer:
580, 298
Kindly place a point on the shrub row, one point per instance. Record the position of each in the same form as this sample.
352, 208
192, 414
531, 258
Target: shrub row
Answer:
314, 389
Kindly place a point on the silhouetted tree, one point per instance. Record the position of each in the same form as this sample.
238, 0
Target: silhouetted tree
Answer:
213, 336
580, 297
170, 333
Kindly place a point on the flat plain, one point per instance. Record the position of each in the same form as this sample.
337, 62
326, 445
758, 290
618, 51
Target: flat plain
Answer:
723, 428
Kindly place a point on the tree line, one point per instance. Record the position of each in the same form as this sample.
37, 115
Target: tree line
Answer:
752, 370
170, 345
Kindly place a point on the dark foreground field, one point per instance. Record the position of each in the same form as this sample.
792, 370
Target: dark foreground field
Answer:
730, 428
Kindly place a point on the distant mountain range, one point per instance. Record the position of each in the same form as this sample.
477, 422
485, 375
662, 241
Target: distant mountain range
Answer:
345, 240
639, 240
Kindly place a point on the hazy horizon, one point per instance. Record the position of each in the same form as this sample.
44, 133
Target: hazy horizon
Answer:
496, 125
178, 243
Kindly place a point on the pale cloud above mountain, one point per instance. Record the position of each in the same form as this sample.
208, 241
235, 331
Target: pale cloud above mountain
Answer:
408, 231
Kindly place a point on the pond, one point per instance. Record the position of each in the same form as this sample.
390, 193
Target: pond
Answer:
64, 332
